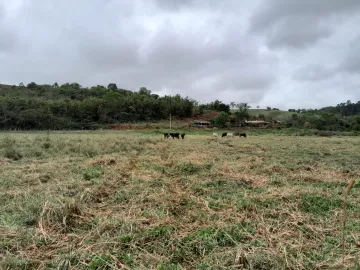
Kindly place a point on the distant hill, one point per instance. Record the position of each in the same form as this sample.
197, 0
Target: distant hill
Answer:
277, 114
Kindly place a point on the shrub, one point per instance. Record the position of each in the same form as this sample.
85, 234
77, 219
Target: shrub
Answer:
221, 120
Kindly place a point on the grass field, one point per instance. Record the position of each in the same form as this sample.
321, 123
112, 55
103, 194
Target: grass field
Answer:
131, 200
277, 114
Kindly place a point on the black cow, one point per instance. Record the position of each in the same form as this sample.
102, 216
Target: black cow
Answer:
182, 135
224, 135
175, 135
243, 135
166, 135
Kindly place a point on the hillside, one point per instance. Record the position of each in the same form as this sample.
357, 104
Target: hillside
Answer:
279, 115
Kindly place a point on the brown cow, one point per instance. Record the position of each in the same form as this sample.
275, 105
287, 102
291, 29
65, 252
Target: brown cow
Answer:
243, 135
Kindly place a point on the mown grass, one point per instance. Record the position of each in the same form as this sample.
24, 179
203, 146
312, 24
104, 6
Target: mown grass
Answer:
134, 200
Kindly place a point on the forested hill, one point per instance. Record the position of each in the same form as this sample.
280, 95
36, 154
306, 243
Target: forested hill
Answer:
342, 117
344, 109
71, 106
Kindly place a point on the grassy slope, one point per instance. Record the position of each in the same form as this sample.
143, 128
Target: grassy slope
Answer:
135, 200
279, 115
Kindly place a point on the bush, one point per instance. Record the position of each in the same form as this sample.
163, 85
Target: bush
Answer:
221, 120
356, 127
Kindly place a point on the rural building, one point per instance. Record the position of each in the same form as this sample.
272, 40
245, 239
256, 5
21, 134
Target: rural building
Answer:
201, 123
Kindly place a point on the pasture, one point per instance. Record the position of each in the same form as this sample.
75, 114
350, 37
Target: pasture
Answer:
277, 114
132, 200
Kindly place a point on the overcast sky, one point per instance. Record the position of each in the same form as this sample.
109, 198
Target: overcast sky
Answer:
278, 53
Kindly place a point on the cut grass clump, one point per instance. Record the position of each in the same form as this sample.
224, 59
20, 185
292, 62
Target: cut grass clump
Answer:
188, 168
206, 240
318, 205
169, 266
46, 145
23, 210
12, 153
264, 261
121, 196
92, 172
63, 218
12, 262
100, 262
11, 149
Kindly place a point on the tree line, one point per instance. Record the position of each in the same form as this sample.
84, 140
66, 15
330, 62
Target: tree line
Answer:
71, 106
342, 117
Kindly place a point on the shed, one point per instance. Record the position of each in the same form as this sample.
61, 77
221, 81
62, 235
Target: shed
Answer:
201, 123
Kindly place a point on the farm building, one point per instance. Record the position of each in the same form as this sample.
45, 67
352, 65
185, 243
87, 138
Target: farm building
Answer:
201, 123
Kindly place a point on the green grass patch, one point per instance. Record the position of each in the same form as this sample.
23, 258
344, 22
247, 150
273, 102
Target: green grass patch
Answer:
318, 205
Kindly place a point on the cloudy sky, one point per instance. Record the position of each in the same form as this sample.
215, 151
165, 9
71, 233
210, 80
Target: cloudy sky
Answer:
279, 53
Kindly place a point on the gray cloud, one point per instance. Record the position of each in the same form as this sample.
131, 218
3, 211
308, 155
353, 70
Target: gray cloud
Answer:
351, 61
206, 50
7, 34
7, 40
284, 35
298, 24
173, 5
313, 73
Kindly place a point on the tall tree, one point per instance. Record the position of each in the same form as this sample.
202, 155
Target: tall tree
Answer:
112, 87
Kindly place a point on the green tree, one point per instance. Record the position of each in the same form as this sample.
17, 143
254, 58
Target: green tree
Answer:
243, 112
144, 91
75, 85
32, 86
221, 120
112, 87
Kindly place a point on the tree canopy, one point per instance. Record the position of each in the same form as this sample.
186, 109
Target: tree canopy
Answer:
72, 106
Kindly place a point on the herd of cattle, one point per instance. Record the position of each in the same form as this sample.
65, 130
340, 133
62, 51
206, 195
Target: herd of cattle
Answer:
174, 135
225, 134
231, 134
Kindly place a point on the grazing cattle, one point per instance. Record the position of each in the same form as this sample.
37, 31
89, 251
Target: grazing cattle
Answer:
182, 135
242, 135
215, 135
166, 135
175, 135
227, 134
